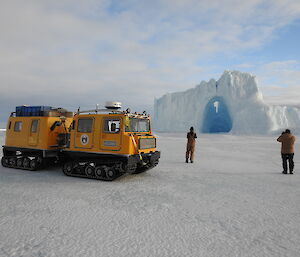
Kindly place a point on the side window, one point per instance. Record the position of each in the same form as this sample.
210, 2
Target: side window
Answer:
18, 126
34, 126
9, 126
111, 125
85, 125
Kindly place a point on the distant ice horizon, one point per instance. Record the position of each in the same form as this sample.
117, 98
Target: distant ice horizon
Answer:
2, 125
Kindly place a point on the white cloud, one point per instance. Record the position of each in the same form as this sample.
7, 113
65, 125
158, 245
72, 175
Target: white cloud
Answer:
90, 51
280, 82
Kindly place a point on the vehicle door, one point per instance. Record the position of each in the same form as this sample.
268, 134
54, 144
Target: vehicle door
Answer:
84, 133
111, 133
34, 131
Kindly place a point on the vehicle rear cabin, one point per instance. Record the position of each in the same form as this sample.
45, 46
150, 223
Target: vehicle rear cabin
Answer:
34, 135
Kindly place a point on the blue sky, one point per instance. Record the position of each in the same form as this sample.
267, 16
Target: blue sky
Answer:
82, 53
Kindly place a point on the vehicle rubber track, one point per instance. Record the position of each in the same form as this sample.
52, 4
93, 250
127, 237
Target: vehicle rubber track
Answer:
22, 162
107, 171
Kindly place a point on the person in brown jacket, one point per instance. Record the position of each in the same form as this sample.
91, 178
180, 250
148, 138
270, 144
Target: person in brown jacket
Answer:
287, 140
190, 147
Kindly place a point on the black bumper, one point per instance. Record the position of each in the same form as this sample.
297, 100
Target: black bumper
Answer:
149, 158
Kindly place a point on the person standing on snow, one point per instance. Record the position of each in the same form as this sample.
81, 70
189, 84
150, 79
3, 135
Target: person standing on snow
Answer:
287, 140
190, 147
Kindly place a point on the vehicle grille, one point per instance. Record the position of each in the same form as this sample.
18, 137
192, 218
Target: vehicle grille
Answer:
146, 143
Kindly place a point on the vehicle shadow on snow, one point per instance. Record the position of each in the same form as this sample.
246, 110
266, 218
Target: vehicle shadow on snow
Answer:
55, 174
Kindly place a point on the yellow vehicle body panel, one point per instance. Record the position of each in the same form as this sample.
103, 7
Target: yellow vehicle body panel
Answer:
34, 132
98, 139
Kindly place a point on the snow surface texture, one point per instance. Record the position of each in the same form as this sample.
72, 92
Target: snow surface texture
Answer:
233, 201
240, 110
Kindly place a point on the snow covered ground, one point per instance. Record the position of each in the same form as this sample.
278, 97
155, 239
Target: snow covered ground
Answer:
233, 201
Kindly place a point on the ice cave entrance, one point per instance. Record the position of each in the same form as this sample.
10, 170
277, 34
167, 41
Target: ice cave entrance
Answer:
216, 118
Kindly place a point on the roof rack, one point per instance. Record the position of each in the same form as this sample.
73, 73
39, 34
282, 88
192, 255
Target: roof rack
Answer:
40, 111
99, 110
114, 111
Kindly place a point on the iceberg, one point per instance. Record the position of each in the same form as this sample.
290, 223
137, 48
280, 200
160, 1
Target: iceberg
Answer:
232, 104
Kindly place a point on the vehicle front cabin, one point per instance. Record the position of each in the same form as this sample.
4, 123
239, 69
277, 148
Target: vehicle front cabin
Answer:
108, 144
112, 133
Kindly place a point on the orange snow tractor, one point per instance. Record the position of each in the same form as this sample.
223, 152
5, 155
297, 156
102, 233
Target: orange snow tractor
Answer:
101, 143
106, 143
35, 135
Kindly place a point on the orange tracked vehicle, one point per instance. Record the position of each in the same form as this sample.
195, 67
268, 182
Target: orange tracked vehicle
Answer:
100, 143
106, 143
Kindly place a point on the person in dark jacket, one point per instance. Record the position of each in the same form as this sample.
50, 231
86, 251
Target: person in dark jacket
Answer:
190, 147
287, 140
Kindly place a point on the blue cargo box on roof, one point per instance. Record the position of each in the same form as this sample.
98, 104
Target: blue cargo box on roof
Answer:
25, 111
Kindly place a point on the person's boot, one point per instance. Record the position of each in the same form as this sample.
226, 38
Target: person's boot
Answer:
291, 172
284, 172
186, 160
192, 161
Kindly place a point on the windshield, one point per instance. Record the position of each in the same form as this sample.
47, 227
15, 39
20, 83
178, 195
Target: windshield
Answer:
137, 125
